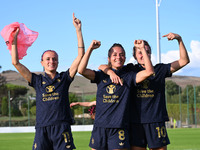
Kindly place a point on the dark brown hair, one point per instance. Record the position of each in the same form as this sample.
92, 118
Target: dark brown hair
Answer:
47, 51
110, 51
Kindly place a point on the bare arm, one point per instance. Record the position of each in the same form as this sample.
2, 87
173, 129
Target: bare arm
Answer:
15, 60
184, 58
89, 74
87, 104
114, 78
81, 49
149, 70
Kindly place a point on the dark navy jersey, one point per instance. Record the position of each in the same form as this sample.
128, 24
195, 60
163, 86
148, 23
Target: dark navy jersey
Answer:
52, 99
112, 107
148, 98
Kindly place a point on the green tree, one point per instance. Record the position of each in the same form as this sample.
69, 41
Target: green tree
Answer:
3, 91
198, 94
4, 106
16, 90
15, 112
2, 80
171, 87
188, 92
172, 91
33, 110
24, 109
74, 98
2, 86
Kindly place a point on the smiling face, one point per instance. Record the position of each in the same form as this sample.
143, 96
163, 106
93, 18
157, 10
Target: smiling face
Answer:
117, 57
50, 61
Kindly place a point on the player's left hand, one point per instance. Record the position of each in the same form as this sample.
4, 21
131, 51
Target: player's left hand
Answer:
171, 36
76, 22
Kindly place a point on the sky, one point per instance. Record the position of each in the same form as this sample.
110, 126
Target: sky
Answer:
109, 21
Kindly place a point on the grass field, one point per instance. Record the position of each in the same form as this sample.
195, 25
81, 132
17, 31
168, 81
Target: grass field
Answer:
181, 139
184, 139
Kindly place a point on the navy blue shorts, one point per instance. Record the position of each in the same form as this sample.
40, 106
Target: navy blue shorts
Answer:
152, 134
109, 138
55, 137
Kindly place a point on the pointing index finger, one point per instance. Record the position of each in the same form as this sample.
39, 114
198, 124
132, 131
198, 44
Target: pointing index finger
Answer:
73, 16
165, 35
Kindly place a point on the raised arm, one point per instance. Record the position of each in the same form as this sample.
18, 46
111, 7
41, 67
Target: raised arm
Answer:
15, 60
81, 49
149, 70
184, 58
114, 78
89, 74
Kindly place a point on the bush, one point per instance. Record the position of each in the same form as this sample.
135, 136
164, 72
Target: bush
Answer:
24, 111
15, 123
16, 112
4, 106
33, 110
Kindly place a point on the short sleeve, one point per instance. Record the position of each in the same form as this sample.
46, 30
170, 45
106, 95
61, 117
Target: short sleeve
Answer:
168, 70
98, 76
33, 80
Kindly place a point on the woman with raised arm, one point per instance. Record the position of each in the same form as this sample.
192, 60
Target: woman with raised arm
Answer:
112, 112
148, 106
53, 114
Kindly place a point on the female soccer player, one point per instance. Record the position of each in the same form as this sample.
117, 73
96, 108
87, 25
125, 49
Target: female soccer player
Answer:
53, 114
148, 106
111, 121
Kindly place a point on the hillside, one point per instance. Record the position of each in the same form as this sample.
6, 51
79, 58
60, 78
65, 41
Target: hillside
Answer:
183, 81
81, 85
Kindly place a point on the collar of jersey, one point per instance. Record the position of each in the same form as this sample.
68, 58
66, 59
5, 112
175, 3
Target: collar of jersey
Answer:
46, 76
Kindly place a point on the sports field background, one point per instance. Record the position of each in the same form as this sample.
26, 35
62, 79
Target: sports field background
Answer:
180, 138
